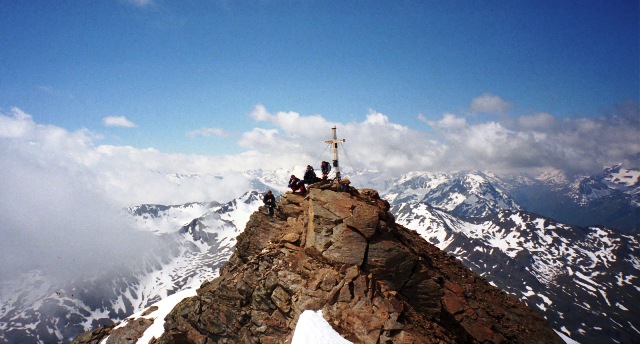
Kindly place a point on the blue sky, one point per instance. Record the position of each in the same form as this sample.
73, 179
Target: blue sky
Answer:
114, 103
171, 68
123, 94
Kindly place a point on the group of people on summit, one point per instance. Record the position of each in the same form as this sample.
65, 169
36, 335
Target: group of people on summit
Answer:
310, 177
297, 184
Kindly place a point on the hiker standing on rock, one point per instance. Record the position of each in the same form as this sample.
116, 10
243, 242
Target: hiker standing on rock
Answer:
326, 168
269, 202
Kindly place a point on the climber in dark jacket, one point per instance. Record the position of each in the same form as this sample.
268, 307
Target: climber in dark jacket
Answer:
326, 168
269, 202
310, 176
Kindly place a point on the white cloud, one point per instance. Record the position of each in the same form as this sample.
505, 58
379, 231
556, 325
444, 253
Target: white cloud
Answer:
206, 132
540, 120
293, 123
17, 125
125, 175
117, 121
523, 144
62, 194
260, 113
54, 217
448, 120
375, 143
488, 103
131, 176
265, 139
539, 141
376, 118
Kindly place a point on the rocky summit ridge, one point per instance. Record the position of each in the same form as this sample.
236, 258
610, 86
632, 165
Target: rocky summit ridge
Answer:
374, 280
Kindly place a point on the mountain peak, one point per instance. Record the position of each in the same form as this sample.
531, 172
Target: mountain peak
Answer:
374, 280
469, 194
553, 176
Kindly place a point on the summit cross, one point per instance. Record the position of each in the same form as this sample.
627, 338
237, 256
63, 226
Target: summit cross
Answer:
334, 141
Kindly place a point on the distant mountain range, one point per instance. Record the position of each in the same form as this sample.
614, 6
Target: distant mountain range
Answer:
583, 279
536, 238
610, 199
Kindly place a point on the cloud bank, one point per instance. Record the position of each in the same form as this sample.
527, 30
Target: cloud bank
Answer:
62, 199
525, 144
284, 139
52, 217
62, 195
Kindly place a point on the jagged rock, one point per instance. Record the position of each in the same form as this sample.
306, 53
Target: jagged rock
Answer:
290, 238
375, 281
130, 332
149, 310
93, 336
343, 253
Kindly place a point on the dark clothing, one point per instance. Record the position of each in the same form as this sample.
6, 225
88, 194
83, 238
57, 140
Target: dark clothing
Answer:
270, 203
345, 185
295, 184
326, 168
310, 177
269, 199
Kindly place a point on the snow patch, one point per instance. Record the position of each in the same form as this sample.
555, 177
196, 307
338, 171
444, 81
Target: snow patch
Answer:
164, 307
604, 295
312, 328
621, 306
546, 299
566, 338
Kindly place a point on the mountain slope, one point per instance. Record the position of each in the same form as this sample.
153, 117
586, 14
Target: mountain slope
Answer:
583, 280
199, 237
196, 239
375, 281
611, 198
460, 193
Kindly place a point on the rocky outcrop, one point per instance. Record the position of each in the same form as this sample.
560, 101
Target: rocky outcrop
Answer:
374, 280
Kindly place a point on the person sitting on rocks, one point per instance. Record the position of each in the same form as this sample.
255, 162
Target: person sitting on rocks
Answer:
296, 184
310, 176
269, 202
345, 185
326, 168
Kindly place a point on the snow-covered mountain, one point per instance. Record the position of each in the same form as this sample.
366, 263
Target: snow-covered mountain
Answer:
610, 198
584, 280
196, 239
276, 180
463, 194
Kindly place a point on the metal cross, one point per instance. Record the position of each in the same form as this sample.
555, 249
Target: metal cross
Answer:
334, 141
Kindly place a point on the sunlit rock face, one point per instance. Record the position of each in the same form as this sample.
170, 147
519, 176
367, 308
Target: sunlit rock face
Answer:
374, 280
